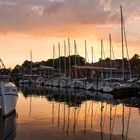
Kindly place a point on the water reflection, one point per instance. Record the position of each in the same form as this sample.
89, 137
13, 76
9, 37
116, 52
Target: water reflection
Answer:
87, 115
72, 97
8, 127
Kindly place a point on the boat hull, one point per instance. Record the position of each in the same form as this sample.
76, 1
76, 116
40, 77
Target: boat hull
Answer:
8, 98
10, 101
107, 89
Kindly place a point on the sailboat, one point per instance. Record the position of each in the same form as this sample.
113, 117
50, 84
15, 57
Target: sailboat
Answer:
108, 87
8, 95
121, 87
28, 79
124, 87
98, 85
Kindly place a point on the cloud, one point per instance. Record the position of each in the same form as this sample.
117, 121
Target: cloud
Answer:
51, 17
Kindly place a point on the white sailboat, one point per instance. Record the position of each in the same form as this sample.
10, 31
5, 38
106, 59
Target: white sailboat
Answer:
108, 87
98, 85
124, 85
8, 96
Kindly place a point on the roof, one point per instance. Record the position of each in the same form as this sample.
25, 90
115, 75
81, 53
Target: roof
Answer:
94, 68
45, 67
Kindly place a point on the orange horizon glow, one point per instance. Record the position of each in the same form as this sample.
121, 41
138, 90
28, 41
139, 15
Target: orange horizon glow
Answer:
38, 28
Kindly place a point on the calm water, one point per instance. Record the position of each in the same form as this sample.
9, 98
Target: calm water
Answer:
53, 113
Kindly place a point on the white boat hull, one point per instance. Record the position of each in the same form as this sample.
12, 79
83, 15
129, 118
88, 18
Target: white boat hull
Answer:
98, 86
10, 102
63, 83
8, 98
107, 89
89, 86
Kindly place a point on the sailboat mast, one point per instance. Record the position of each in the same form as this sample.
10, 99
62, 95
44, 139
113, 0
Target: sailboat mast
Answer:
101, 52
125, 39
85, 51
101, 63
110, 41
31, 64
122, 38
59, 59
69, 58
53, 58
65, 57
53, 54
75, 60
92, 55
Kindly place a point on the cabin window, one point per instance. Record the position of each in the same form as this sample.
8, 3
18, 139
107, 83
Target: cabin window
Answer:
7, 89
14, 90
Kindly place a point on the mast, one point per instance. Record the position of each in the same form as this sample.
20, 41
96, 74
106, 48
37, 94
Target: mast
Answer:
75, 60
110, 41
101, 57
59, 59
69, 58
101, 52
127, 51
85, 51
31, 72
65, 57
92, 55
53, 58
86, 56
122, 38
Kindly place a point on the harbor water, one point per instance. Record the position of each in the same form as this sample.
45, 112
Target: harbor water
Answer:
66, 114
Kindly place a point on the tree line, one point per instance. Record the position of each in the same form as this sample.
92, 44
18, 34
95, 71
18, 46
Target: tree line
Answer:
80, 61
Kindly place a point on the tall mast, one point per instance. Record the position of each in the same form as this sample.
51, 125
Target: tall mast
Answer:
101, 52
122, 38
85, 51
69, 58
31, 64
53, 54
65, 57
86, 55
59, 59
92, 55
101, 58
110, 42
75, 60
125, 39
53, 58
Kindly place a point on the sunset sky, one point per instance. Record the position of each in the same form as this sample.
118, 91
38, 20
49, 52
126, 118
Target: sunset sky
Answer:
38, 24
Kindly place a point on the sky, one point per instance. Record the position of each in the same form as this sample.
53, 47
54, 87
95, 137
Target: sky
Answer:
37, 25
